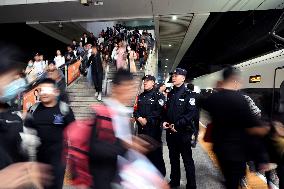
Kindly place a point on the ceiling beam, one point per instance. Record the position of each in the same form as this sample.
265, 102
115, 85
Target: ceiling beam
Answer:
195, 26
43, 29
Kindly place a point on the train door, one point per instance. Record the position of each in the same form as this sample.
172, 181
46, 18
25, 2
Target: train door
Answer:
281, 98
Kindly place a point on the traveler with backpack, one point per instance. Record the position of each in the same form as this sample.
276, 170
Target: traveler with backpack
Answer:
49, 118
111, 135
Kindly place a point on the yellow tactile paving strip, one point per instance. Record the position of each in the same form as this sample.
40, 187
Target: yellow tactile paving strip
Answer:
254, 182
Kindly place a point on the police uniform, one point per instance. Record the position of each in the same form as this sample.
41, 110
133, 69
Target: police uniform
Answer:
181, 111
149, 105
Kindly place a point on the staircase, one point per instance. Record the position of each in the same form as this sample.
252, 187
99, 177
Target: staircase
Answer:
82, 96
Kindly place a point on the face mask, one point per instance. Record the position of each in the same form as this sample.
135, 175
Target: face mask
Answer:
128, 48
30, 64
11, 90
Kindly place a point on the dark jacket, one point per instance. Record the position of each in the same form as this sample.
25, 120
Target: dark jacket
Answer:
149, 105
10, 141
96, 63
181, 109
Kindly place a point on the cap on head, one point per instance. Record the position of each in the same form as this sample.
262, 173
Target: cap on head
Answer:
149, 77
180, 71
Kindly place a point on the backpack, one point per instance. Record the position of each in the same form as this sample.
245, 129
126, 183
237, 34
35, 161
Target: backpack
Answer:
77, 139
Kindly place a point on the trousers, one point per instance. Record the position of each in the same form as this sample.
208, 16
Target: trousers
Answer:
179, 147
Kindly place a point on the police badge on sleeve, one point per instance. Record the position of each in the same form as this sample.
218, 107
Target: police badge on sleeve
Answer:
161, 102
192, 101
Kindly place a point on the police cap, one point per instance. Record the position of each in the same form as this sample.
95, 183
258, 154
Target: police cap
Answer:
180, 71
149, 77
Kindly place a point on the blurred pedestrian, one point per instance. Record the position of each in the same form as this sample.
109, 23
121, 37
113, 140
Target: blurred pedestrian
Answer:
49, 118
111, 135
13, 174
232, 121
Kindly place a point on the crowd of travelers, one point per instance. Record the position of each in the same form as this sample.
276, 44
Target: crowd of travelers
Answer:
103, 152
119, 46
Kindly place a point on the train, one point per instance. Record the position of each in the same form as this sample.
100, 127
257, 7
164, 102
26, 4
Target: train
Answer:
262, 79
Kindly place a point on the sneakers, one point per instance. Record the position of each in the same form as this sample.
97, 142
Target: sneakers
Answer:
96, 94
99, 97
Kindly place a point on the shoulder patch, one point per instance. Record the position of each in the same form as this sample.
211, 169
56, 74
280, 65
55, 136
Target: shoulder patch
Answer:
161, 102
192, 101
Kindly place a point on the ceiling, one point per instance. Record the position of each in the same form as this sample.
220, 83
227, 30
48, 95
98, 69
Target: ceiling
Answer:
125, 9
171, 36
62, 31
206, 47
230, 38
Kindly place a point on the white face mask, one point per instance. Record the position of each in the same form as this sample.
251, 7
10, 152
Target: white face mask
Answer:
30, 64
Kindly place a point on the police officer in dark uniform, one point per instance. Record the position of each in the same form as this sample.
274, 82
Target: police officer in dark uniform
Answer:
197, 96
147, 112
178, 120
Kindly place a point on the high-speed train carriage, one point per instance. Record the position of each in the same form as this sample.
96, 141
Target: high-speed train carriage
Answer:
263, 81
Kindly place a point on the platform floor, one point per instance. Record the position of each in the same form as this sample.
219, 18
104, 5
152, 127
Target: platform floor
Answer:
208, 175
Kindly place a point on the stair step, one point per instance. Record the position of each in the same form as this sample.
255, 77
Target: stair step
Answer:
83, 99
82, 104
83, 94
82, 110
76, 90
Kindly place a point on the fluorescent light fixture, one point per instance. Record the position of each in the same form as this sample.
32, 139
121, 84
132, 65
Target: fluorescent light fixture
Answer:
174, 17
166, 66
170, 45
167, 59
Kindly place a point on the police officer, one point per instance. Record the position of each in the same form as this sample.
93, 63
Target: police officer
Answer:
178, 121
147, 112
197, 96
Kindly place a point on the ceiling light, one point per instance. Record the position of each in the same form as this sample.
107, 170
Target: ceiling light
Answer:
174, 17
170, 45
167, 59
166, 66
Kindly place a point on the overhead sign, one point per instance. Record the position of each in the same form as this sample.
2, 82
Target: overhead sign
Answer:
255, 79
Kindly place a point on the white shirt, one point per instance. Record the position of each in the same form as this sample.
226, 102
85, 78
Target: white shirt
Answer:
89, 53
114, 53
39, 67
100, 40
121, 120
59, 61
